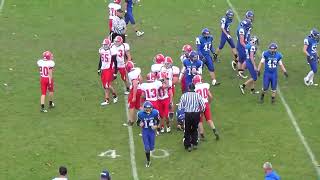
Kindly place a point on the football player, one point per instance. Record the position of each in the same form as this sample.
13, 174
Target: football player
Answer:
271, 59
250, 15
251, 49
172, 73
148, 120
310, 50
150, 90
113, 8
186, 50
203, 89
180, 119
122, 51
242, 34
128, 5
46, 65
164, 102
134, 98
205, 46
192, 67
226, 21
158, 61
107, 69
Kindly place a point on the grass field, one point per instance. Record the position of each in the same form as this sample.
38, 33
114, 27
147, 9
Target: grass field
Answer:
33, 145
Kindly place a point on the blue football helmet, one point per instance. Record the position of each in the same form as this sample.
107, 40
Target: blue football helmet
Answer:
229, 14
246, 23
105, 175
205, 32
314, 33
273, 48
250, 15
193, 56
147, 107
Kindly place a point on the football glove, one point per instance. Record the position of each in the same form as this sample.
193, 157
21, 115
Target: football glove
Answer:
228, 36
286, 74
99, 71
258, 73
114, 76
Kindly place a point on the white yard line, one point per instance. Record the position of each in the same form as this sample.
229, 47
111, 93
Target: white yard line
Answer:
290, 114
131, 144
1, 5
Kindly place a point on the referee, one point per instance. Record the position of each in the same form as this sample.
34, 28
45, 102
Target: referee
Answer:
193, 105
119, 26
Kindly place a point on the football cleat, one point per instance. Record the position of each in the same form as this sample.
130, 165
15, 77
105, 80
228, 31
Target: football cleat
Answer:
215, 82
126, 92
148, 164
43, 110
242, 89
52, 105
234, 65
168, 129
104, 103
139, 33
254, 92
241, 75
162, 130
115, 100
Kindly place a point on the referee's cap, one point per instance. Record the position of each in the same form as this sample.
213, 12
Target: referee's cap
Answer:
267, 165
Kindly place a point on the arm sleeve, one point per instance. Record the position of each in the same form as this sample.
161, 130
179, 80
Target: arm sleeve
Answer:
138, 119
100, 63
114, 61
198, 43
306, 42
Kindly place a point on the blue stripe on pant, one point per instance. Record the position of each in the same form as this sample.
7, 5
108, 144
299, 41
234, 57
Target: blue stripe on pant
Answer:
313, 63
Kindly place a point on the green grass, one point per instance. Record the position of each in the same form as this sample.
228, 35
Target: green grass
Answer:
34, 145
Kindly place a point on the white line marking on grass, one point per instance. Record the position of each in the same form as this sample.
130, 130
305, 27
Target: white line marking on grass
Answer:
290, 114
131, 144
1, 5
163, 154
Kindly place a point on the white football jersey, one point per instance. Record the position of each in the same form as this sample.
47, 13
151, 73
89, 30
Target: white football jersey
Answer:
175, 70
120, 51
156, 67
151, 90
203, 90
44, 66
169, 73
134, 74
113, 7
105, 57
163, 93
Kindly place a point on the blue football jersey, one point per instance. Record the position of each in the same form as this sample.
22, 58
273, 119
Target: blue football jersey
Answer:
242, 31
225, 23
250, 48
149, 120
189, 65
204, 45
271, 61
312, 45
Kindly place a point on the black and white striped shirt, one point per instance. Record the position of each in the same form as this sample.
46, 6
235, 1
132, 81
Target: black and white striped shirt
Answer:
118, 25
192, 102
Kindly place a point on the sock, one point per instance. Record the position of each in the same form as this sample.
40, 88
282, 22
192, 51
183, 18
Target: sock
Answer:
310, 74
273, 99
262, 95
252, 89
50, 103
107, 99
240, 70
128, 89
114, 95
42, 106
148, 156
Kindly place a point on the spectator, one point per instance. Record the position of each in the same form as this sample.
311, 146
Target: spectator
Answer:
270, 174
63, 174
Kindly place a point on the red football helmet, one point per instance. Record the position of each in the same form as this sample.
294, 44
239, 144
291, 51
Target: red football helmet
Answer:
168, 61
118, 40
106, 42
47, 55
187, 48
129, 66
159, 59
117, 1
197, 79
151, 77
